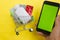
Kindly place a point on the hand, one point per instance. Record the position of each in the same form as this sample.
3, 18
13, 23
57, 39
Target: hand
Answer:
55, 34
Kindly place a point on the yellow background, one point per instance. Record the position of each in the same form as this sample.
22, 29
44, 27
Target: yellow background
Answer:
7, 26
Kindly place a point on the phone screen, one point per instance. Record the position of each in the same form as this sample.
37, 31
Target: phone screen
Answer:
47, 18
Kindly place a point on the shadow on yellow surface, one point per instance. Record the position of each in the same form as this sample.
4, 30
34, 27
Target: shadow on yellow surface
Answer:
7, 26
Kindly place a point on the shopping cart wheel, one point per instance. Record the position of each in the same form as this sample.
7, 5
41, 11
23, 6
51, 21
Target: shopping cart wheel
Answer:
31, 30
17, 33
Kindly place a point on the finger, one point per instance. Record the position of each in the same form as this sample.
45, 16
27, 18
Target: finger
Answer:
57, 23
40, 33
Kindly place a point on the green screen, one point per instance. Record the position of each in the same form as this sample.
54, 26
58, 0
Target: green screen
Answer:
47, 18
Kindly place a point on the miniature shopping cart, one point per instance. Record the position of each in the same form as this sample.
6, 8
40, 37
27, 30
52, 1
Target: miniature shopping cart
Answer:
22, 14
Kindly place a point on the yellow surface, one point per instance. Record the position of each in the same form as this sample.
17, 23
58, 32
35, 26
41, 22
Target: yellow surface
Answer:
7, 26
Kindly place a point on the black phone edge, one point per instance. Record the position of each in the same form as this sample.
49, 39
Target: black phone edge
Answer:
50, 3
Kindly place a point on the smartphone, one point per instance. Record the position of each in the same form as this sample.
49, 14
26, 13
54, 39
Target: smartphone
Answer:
47, 17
